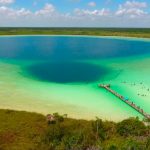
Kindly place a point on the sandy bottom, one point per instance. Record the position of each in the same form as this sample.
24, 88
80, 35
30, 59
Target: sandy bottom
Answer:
130, 77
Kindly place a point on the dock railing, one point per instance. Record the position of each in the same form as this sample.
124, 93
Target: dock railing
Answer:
127, 101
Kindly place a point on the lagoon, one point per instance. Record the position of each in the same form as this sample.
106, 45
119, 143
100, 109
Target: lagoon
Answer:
49, 74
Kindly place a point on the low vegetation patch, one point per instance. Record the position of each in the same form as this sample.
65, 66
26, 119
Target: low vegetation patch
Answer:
21, 130
129, 32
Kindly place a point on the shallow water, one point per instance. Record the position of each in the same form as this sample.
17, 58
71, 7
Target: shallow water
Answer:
60, 74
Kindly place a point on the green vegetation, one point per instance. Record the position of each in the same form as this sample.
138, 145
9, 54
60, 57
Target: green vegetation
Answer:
129, 32
31, 131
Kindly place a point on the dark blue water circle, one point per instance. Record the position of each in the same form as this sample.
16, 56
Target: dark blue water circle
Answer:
67, 72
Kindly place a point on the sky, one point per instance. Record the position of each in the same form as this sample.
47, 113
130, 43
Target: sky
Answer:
74, 13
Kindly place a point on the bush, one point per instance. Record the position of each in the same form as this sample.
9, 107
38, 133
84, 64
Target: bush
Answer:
29, 131
131, 127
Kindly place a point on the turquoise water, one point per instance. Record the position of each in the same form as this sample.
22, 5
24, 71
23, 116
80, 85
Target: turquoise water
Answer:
49, 74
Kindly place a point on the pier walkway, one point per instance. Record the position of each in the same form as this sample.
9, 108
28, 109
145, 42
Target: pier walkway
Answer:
127, 101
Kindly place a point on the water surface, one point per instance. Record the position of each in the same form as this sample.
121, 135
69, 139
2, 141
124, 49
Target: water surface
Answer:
50, 74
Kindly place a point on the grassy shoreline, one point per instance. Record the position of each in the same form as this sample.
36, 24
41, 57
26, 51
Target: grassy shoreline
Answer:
123, 32
20, 130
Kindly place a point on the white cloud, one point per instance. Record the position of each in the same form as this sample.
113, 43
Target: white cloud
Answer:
92, 4
83, 12
132, 9
23, 12
128, 14
12, 13
47, 10
135, 4
131, 12
7, 11
3, 2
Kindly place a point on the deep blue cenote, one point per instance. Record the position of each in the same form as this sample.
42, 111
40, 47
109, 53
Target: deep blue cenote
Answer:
58, 57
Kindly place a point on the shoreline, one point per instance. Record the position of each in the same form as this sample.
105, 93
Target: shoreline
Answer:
68, 116
84, 36
21, 130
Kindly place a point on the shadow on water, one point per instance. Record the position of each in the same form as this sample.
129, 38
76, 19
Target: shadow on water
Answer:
67, 72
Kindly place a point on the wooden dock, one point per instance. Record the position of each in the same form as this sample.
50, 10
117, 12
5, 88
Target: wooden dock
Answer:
127, 101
